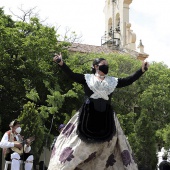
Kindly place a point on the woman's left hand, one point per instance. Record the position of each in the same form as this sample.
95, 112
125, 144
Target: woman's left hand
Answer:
145, 66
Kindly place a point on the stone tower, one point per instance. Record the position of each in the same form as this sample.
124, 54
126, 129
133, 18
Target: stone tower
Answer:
118, 33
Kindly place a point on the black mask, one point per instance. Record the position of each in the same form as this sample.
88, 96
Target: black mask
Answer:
104, 68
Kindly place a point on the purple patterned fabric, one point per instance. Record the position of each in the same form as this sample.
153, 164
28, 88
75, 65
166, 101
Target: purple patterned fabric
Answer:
66, 155
92, 156
126, 158
73, 153
53, 152
68, 129
110, 161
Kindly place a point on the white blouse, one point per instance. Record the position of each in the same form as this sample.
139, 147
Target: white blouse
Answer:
101, 89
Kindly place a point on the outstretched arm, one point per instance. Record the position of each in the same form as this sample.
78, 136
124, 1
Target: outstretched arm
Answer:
122, 82
77, 77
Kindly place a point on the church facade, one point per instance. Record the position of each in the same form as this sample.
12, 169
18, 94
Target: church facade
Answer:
118, 36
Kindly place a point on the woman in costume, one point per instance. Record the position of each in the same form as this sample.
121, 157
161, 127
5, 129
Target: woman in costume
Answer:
93, 138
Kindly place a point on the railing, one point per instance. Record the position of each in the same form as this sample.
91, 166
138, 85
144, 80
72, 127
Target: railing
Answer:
110, 41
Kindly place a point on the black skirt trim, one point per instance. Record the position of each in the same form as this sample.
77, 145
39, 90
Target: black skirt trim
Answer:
95, 126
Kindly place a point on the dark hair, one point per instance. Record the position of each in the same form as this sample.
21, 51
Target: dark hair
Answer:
14, 122
96, 62
164, 157
61, 127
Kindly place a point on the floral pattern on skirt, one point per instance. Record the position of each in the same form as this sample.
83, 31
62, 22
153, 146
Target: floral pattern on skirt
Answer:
71, 153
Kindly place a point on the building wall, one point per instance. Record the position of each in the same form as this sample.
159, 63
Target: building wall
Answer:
117, 11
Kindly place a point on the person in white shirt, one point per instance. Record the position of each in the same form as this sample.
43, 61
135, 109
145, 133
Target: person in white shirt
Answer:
11, 142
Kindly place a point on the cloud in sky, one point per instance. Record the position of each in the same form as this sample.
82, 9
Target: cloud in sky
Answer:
149, 19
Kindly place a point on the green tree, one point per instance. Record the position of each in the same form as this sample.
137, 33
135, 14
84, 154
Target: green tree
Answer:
33, 127
156, 95
145, 135
28, 78
163, 136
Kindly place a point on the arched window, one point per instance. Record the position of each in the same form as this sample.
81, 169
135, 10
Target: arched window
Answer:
117, 22
110, 26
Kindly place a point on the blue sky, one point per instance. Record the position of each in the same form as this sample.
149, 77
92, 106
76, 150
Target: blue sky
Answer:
149, 18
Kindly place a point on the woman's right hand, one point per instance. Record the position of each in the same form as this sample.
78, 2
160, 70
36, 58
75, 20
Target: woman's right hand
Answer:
145, 66
58, 59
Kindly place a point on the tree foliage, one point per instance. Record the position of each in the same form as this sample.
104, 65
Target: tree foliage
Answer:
28, 78
145, 135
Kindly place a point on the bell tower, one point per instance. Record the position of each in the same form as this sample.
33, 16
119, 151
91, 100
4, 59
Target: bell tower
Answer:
118, 33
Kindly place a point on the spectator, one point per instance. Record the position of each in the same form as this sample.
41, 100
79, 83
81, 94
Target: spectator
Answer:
164, 165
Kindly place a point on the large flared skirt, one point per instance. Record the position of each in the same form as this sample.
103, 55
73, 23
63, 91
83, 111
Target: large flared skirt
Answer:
72, 153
